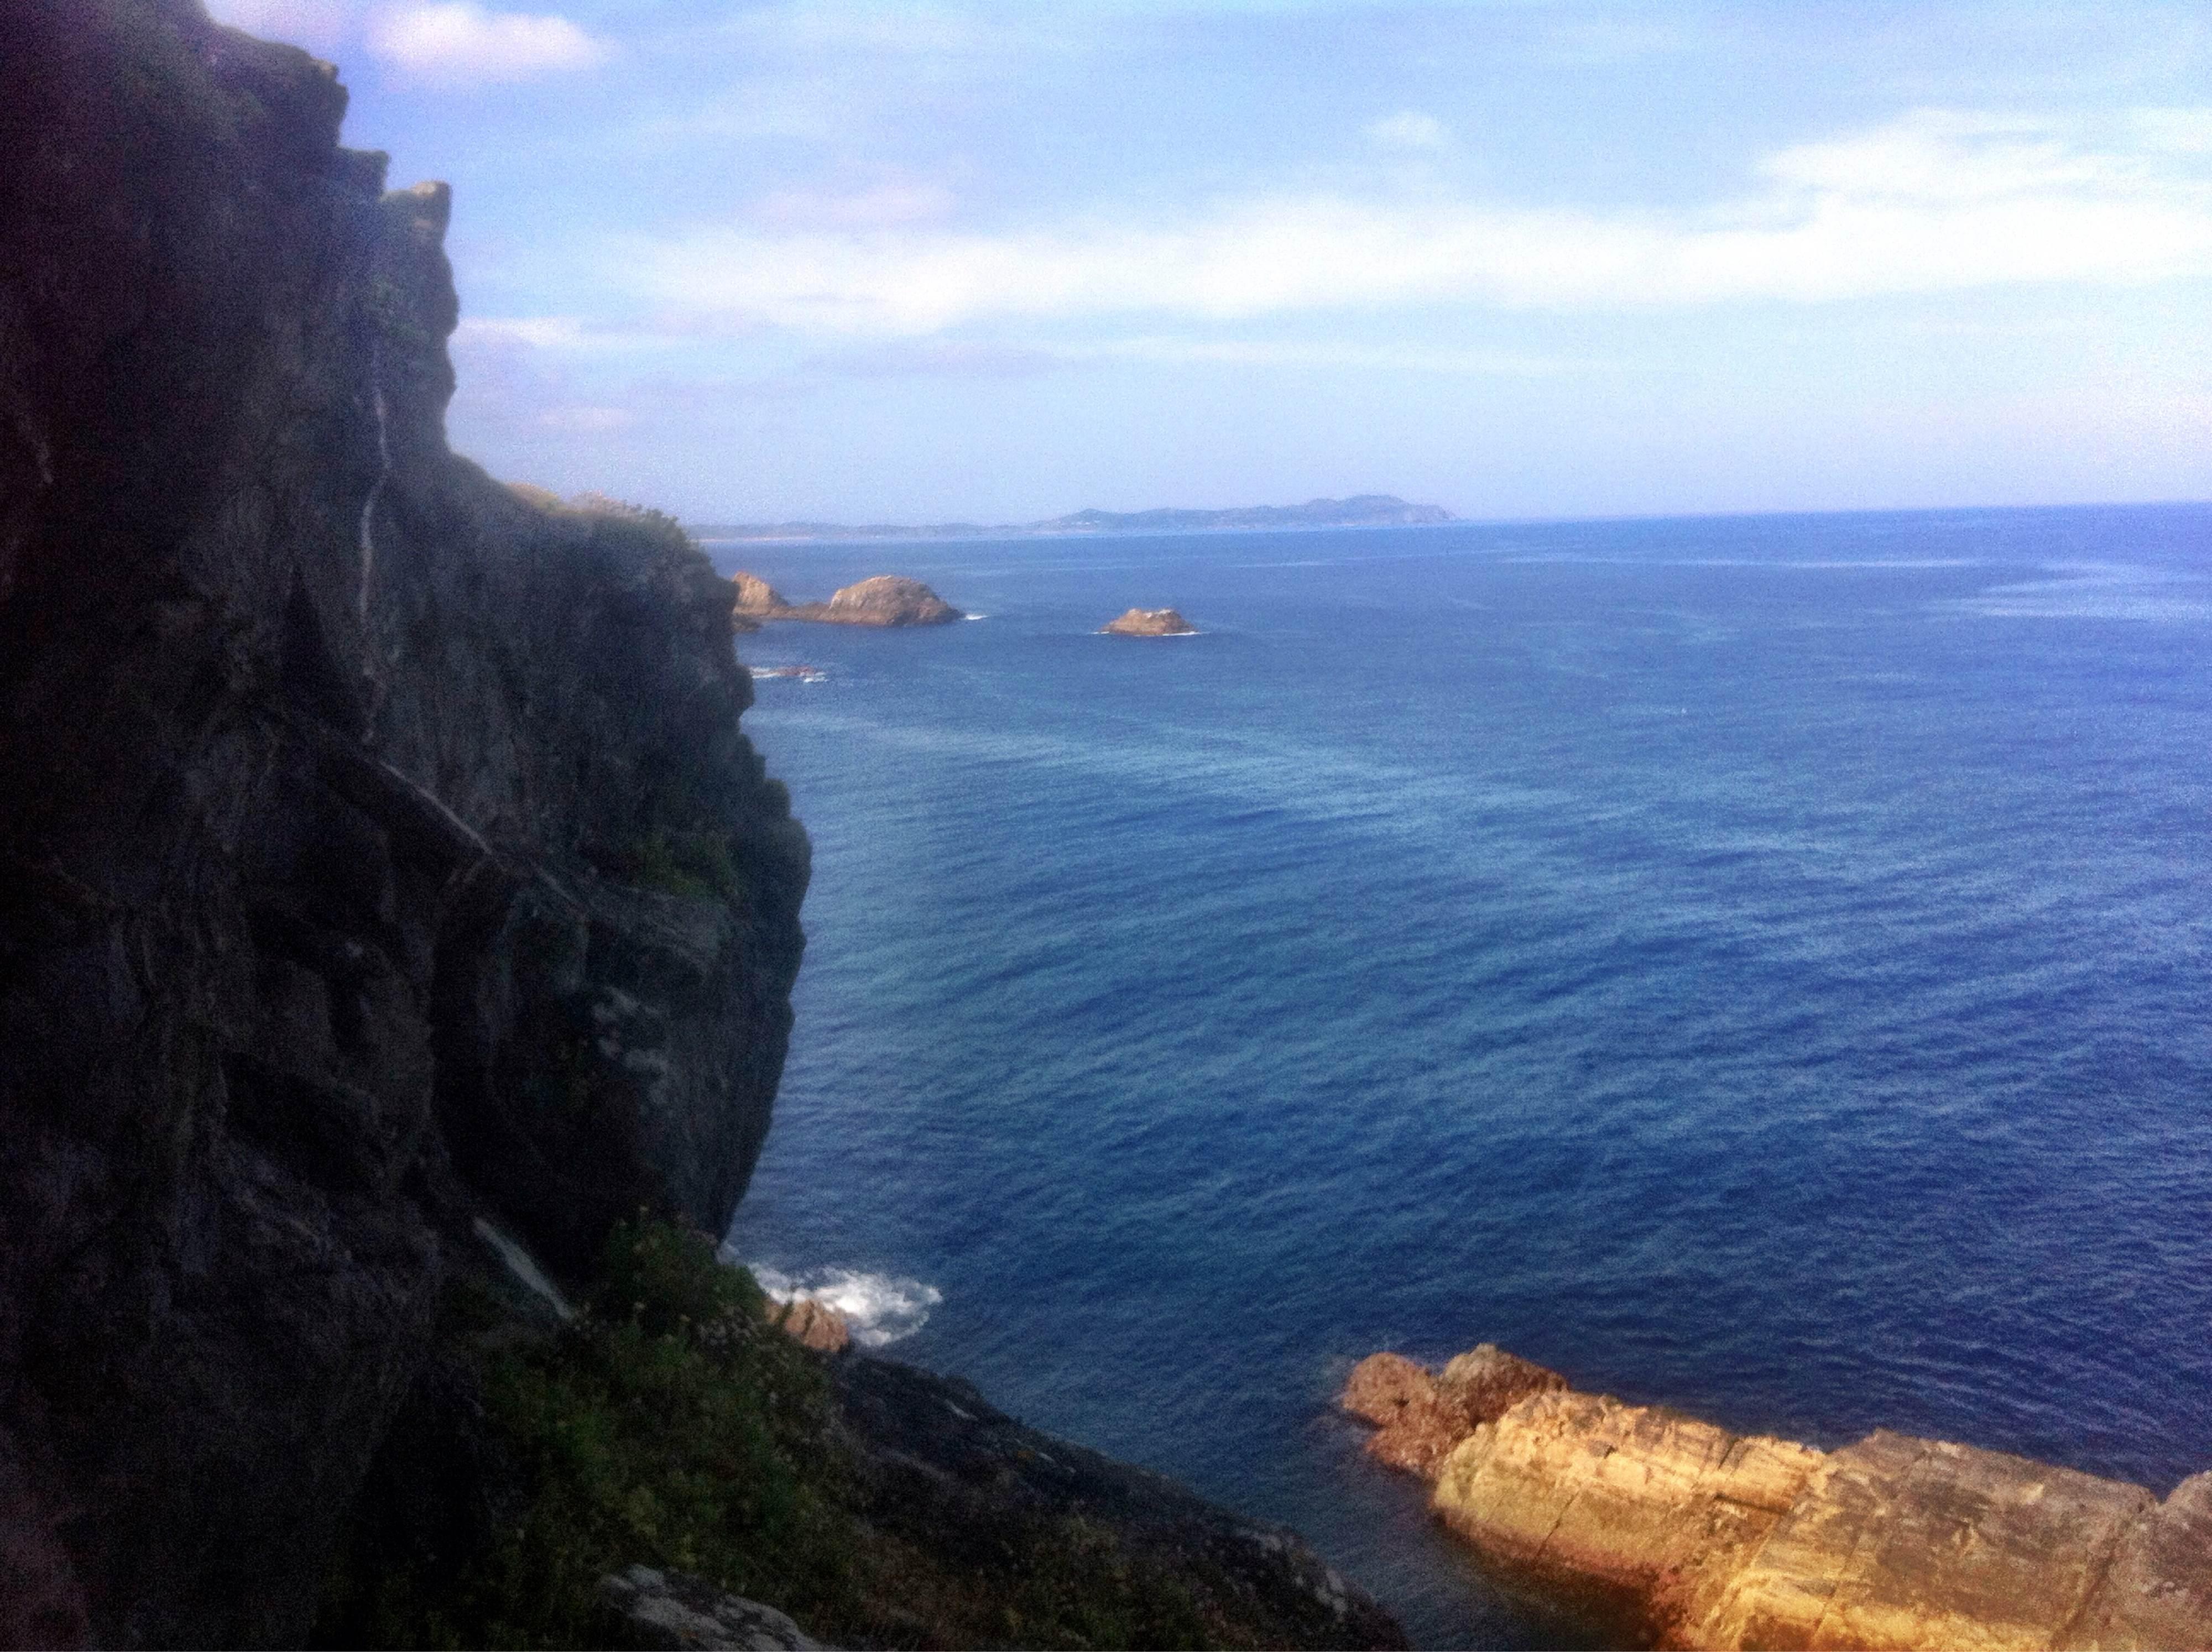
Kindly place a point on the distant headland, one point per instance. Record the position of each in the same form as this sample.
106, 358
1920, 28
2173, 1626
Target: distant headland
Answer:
1363, 511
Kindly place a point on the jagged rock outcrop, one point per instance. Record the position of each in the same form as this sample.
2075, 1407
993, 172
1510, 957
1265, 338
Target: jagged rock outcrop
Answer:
1669, 1531
812, 1324
1419, 1417
376, 850
887, 599
1149, 622
754, 599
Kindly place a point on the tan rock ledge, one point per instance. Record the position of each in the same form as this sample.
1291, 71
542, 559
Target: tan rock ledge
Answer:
887, 599
1668, 1531
1149, 622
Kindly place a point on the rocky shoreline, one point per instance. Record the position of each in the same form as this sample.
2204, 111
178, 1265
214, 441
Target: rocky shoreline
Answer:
1663, 1530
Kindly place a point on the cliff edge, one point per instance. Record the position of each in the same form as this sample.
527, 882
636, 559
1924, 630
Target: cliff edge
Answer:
377, 851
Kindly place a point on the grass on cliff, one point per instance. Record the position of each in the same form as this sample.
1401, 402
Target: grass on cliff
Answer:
670, 1425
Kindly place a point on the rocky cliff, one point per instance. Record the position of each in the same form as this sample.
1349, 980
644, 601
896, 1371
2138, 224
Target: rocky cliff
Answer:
1667, 1530
389, 904
378, 853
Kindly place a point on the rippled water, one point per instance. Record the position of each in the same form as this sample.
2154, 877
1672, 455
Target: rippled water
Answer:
1757, 963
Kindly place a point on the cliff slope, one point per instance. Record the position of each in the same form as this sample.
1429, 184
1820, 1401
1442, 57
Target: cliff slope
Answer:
377, 851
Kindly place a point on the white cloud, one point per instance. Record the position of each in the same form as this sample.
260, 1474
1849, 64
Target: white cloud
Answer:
318, 25
1393, 358
586, 420
1934, 203
1409, 129
459, 43
1938, 157
887, 203
560, 334
935, 358
2181, 131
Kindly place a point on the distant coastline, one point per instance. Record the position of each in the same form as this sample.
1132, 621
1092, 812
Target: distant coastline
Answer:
1362, 511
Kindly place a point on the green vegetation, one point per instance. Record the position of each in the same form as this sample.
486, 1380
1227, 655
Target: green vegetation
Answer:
694, 864
672, 1425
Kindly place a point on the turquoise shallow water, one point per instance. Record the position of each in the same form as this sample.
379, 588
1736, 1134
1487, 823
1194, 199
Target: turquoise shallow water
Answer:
1756, 964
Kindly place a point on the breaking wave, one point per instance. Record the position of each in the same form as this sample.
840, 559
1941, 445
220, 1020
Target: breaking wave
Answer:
878, 1308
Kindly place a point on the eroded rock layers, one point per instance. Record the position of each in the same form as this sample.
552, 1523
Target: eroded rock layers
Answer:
1669, 1531
376, 851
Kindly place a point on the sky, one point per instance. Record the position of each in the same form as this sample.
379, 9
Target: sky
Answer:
994, 260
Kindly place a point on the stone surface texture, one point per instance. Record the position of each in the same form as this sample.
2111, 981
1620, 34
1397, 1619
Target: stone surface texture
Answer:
755, 598
887, 599
1149, 622
812, 1324
1664, 1530
1419, 1417
377, 851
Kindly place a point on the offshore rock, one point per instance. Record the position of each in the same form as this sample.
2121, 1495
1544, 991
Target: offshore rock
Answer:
1669, 1531
887, 599
812, 1324
377, 851
1419, 1418
1149, 622
755, 597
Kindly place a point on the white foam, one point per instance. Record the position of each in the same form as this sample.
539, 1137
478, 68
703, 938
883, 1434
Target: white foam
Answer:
878, 1308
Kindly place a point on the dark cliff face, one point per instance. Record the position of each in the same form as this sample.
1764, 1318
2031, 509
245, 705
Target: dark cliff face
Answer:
375, 850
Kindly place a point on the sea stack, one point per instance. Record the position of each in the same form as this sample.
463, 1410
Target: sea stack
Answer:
1669, 1531
755, 600
885, 600
1149, 622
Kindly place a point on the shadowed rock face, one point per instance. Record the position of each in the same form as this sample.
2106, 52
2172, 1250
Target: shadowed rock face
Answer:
1149, 622
1669, 1531
376, 850
940, 1465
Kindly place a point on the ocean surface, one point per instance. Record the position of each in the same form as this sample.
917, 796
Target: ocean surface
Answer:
1753, 964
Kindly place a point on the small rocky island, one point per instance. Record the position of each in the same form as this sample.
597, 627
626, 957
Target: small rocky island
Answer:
1667, 1531
1149, 622
887, 599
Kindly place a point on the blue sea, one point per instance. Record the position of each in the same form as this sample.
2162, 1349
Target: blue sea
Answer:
1753, 964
